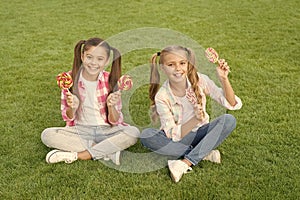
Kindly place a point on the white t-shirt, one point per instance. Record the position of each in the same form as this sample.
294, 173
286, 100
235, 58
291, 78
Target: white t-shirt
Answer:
90, 109
188, 109
189, 112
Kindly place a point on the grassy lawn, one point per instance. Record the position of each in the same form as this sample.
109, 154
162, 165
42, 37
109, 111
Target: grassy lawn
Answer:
258, 38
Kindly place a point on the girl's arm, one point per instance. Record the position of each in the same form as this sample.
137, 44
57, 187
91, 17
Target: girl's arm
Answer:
222, 95
222, 71
113, 114
73, 103
228, 91
189, 125
166, 114
111, 101
69, 105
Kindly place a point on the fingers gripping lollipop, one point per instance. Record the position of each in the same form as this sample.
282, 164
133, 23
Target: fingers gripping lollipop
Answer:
125, 83
191, 96
64, 81
213, 56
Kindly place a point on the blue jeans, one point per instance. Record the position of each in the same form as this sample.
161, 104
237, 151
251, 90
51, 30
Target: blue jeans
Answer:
195, 145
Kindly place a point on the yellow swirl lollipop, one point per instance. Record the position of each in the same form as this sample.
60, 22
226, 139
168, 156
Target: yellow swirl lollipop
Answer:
64, 81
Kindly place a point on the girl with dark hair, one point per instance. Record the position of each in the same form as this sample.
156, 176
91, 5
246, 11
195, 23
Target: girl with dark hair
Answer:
91, 109
180, 104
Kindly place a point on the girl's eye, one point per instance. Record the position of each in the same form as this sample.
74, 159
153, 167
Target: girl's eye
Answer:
170, 65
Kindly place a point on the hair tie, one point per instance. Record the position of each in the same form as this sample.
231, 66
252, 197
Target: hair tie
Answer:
188, 51
158, 53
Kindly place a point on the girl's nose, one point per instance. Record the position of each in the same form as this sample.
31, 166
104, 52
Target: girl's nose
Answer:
94, 61
177, 67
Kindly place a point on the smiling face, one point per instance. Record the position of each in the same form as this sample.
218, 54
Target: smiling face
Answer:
175, 66
94, 61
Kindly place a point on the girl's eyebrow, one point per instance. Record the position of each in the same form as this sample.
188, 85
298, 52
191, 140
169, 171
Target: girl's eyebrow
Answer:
178, 61
88, 54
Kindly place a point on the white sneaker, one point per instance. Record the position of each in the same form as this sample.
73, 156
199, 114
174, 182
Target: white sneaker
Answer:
114, 157
56, 156
213, 156
177, 169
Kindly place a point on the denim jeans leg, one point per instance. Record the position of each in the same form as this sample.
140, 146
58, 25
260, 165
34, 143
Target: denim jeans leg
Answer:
157, 141
218, 130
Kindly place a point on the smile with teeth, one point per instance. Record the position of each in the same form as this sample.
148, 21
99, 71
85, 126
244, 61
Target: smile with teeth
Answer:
94, 68
178, 74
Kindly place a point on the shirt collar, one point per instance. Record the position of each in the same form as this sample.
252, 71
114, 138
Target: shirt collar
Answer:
100, 77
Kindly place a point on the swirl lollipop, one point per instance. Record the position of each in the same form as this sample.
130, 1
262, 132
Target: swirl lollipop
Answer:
125, 83
64, 81
213, 56
191, 96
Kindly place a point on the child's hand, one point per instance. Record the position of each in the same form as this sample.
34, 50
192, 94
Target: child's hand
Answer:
72, 100
223, 69
113, 98
199, 112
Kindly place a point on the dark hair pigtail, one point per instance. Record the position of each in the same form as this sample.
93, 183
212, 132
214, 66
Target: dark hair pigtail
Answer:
115, 72
75, 70
77, 59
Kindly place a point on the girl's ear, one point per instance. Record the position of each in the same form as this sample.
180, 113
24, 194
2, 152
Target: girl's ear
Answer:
161, 67
81, 57
107, 62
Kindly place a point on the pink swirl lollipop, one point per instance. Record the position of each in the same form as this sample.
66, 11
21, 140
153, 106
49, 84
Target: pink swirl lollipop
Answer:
191, 96
212, 55
125, 83
64, 81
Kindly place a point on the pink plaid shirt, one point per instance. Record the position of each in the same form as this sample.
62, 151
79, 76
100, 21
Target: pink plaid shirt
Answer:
101, 93
170, 109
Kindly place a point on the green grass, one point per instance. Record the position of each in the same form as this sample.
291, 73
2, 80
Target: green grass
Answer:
259, 39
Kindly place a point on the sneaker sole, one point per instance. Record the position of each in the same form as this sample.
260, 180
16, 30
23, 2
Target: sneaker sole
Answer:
49, 156
118, 156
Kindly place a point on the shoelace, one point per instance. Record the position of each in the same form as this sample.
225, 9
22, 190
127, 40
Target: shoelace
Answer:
71, 159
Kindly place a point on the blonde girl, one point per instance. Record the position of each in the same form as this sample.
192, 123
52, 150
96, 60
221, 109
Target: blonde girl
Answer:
180, 105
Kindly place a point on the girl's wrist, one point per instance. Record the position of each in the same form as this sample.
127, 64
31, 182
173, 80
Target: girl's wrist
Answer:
223, 78
110, 106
